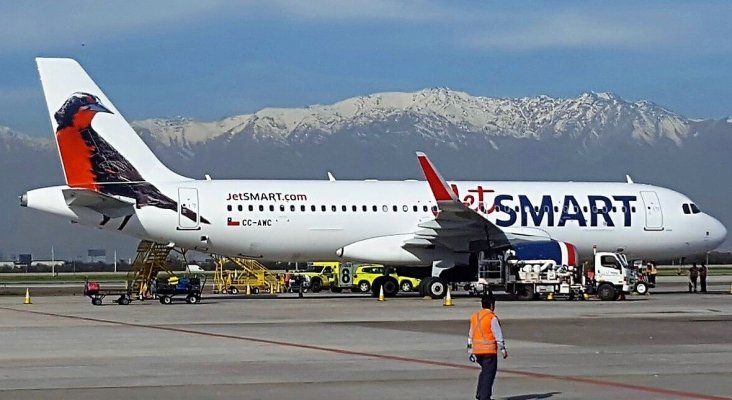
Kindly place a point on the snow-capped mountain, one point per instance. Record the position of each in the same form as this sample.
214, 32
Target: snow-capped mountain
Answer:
595, 136
443, 114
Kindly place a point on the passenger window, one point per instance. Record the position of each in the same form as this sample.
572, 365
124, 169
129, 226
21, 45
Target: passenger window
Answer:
424, 208
584, 208
405, 208
686, 209
312, 208
251, 207
375, 208
292, 208
228, 208
556, 208
271, 207
632, 209
364, 208
323, 208
385, 208
415, 208
261, 207
302, 208
282, 208
344, 208
333, 208
395, 208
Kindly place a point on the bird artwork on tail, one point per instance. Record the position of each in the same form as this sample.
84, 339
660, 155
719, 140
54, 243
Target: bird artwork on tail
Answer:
90, 162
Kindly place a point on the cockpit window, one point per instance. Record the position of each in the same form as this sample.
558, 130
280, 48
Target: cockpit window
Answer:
685, 206
695, 209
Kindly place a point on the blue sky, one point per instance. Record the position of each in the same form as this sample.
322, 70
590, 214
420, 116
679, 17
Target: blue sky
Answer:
211, 59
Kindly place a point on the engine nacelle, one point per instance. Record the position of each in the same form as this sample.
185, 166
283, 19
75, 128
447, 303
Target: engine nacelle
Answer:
383, 250
390, 250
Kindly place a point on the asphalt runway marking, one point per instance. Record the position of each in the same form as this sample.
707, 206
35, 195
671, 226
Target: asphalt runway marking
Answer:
539, 375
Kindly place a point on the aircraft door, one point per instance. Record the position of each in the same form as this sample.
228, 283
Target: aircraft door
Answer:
188, 216
652, 207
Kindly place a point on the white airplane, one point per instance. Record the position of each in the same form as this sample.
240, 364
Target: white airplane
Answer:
115, 183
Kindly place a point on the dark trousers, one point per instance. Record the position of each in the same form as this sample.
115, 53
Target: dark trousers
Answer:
703, 282
692, 284
488, 368
652, 279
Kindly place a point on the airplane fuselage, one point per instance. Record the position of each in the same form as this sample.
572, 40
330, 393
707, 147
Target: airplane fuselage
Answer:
291, 220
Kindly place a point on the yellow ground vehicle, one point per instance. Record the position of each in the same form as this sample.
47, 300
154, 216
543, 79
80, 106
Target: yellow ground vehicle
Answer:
366, 275
234, 275
322, 275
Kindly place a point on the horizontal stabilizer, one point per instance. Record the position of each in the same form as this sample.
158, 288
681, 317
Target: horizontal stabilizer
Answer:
101, 203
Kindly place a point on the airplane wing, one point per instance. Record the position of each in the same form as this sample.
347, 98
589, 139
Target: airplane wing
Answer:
104, 204
457, 226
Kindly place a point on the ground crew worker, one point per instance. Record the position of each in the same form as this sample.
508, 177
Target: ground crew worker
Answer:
703, 277
485, 338
652, 272
693, 276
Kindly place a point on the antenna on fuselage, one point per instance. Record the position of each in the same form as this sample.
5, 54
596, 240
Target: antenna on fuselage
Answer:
331, 177
629, 179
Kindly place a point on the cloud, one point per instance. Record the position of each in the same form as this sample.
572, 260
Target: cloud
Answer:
43, 25
617, 25
567, 32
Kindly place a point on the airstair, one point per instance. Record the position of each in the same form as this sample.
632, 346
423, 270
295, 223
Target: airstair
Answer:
233, 274
149, 262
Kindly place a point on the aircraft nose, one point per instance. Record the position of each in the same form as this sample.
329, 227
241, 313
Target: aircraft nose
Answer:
717, 232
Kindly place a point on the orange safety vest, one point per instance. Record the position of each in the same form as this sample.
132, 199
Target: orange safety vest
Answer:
481, 333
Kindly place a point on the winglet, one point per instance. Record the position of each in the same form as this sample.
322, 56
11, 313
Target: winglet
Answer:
440, 188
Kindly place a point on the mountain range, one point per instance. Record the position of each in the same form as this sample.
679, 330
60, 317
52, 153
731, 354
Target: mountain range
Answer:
594, 136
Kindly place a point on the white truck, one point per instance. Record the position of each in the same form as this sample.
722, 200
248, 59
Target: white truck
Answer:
529, 270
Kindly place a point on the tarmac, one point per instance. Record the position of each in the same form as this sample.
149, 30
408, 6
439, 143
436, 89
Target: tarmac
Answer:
669, 345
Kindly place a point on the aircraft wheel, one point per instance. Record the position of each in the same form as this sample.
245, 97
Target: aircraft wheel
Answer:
435, 288
97, 301
391, 287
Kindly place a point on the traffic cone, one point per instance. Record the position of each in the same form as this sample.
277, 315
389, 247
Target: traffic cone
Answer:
27, 299
730, 288
249, 290
448, 299
585, 296
381, 293
550, 296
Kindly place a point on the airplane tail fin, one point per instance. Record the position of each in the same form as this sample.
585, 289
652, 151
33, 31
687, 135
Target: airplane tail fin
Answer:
98, 148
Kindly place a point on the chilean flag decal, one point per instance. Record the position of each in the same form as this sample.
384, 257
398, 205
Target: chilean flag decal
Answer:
232, 222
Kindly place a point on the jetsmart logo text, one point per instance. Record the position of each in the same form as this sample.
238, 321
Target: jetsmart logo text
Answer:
266, 196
